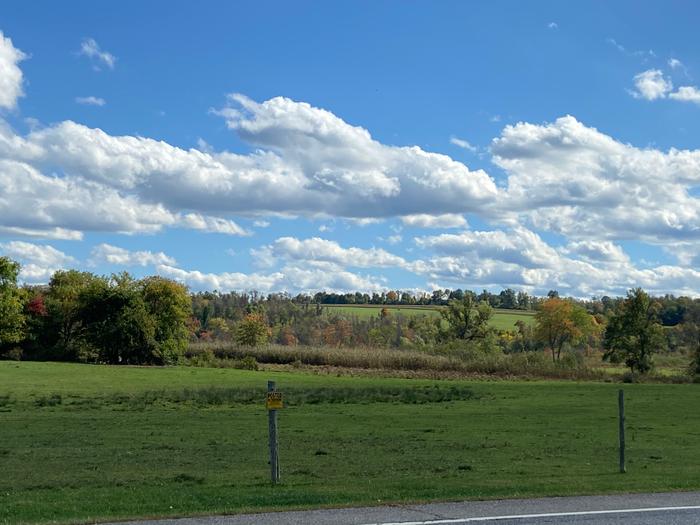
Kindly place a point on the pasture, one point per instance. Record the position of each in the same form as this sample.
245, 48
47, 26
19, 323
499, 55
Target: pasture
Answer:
85, 443
501, 320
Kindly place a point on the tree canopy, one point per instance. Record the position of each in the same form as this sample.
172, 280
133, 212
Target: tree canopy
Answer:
633, 333
560, 322
467, 320
12, 322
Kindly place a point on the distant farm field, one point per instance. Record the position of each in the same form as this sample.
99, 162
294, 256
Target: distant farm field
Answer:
84, 443
502, 319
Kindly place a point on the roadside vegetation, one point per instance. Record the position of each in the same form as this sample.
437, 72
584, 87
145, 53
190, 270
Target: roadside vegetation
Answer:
84, 443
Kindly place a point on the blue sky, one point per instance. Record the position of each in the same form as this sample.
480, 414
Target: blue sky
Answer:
354, 145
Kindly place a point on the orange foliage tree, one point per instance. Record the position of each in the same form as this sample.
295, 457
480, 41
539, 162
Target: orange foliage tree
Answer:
561, 322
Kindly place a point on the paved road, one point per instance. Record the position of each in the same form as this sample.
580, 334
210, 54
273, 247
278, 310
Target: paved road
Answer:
630, 509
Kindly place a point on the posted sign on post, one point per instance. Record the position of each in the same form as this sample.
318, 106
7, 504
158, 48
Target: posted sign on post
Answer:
274, 401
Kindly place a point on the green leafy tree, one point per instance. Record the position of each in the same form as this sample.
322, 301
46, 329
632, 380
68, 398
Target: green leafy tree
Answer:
12, 320
466, 319
695, 365
382, 335
695, 362
425, 329
117, 322
524, 338
170, 306
252, 330
219, 328
633, 333
690, 334
509, 298
63, 330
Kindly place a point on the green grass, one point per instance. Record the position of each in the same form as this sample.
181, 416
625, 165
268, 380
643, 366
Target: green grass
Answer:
372, 310
506, 319
84, 443
666, 365
502, 319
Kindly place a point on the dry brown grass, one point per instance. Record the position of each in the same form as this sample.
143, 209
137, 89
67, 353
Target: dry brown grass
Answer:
385, 361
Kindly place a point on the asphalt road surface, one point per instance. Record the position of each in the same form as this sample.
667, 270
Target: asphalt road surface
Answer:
679, 508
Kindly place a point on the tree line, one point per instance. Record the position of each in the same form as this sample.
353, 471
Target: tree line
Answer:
83, 317
507, 299
80, 316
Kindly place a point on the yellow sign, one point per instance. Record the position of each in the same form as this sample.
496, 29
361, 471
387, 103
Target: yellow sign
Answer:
274, 401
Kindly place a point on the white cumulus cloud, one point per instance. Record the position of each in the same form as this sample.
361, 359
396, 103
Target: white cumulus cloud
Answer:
341, 170
651, 85
686, 94
574, 180
317, 250
196, 221
123, 257
521, 259
292, 279
38, 261
10, 73
424, 220
519, 246
605, 251
314, 164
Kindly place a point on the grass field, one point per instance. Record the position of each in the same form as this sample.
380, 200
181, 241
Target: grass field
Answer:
83, 443
502, 319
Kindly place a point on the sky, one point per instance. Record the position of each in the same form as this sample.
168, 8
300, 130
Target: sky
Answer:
354, 146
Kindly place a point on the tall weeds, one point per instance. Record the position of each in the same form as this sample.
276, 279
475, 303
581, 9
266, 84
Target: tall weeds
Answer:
530, 364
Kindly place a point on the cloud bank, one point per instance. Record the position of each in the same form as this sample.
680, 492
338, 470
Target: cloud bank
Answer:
562, 180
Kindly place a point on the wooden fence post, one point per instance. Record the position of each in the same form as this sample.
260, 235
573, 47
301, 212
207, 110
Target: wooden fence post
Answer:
621, 410
272, 429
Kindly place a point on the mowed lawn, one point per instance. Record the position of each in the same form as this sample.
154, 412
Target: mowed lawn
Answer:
81, 443
501, 320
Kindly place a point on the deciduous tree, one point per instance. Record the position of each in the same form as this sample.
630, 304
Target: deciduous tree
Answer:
12, 321
117, 323
169, 304
252, 330
690, 334
633, 333
560, 322
63, 328
466, 319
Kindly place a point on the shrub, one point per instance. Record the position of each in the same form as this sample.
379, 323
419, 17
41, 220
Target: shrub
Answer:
630, 377
13, 354
247, 363
204, 358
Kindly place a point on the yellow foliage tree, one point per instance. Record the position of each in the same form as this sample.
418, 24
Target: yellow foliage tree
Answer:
560, 322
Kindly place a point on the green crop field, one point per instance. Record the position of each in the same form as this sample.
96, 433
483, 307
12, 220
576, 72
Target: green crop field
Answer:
374, 310
502, 319
81, 443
